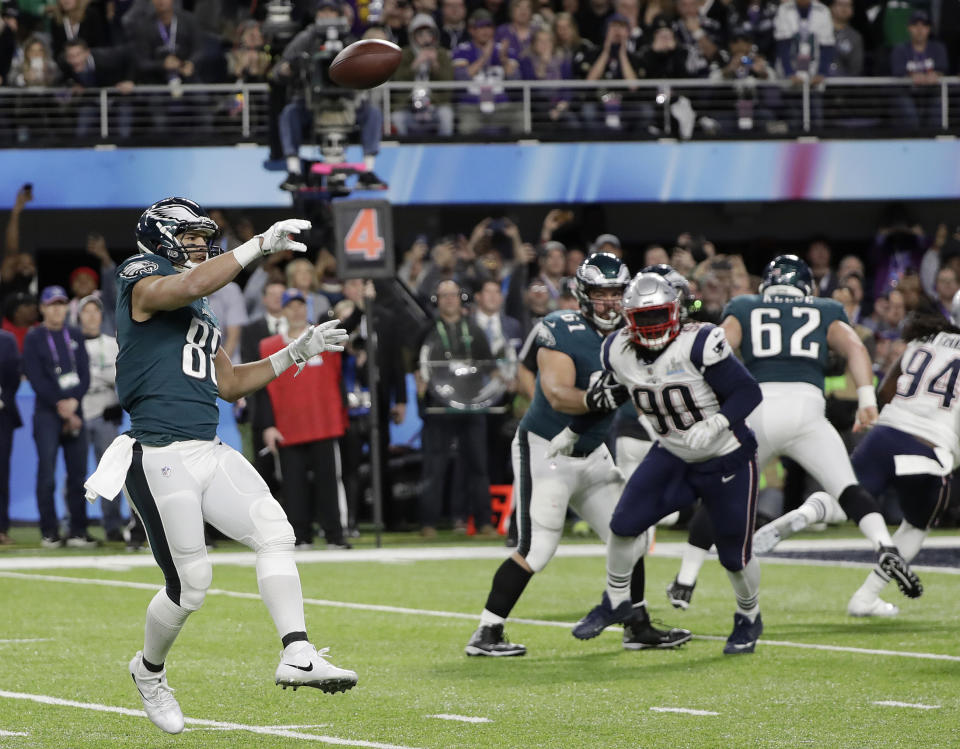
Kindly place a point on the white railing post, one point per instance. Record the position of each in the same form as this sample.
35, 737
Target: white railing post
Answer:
944, 106
527, 111
245, 111
385, 108
104, 114
806, 104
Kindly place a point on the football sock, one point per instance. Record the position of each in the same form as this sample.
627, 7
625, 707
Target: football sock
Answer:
621, 565
293, 164
814, 510
280, 589
638, 581
746, 586
509, 582
690, 564
873, 585
369, 160
908, 539
874, 527
165, 619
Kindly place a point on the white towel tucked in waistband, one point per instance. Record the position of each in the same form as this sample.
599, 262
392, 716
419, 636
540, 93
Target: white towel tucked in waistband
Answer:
107, 480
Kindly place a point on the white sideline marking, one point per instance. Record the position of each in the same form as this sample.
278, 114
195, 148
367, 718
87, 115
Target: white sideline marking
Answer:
894, 703
13, 733
461, 718
17, 641
268, 730
685, 710
459, 615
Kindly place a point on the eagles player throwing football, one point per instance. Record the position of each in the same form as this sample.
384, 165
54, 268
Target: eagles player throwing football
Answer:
695, 396
569, 383
170, 371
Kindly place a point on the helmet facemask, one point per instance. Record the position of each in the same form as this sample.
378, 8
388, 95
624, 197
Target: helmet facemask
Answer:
653, 328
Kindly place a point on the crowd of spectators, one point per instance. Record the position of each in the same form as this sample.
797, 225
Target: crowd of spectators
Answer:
123, 44
480, 295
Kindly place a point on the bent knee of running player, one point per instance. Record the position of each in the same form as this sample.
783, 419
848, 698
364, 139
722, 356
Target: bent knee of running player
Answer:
657, 488
730, 496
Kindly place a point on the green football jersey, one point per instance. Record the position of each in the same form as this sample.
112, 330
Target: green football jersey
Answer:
784, 337
165, 374
569, 333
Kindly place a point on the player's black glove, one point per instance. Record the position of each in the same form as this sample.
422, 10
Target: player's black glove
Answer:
605, 394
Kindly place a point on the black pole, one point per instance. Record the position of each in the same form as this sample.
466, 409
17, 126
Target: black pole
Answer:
373, 377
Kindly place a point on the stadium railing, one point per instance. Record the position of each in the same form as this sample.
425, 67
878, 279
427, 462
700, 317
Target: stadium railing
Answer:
628, 110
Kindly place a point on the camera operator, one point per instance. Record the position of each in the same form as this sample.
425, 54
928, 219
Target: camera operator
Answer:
317, 45
424, 60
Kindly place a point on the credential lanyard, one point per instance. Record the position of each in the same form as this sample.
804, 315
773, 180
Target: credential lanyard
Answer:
464, 336
56, 357
169, 37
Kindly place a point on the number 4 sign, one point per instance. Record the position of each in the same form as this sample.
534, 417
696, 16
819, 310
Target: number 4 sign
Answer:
364, 233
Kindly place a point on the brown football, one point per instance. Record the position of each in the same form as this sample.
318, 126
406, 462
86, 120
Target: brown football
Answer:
365, 64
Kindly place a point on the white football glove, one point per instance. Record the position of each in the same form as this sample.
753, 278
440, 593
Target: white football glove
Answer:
277, 238
312, 342
704, 432
563, 443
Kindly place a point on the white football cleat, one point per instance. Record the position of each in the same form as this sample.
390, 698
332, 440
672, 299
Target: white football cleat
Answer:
158, 700
766, 538
862, 604
302, 665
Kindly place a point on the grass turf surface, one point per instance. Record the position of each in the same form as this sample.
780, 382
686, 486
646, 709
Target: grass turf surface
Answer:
564, 693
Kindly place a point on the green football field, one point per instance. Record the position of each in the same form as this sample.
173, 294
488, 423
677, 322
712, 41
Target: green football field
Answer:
71, 623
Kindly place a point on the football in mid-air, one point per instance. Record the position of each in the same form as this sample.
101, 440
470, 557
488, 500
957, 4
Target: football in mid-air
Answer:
365, 64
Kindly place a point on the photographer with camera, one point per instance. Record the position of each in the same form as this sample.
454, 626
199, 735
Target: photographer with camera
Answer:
746, 65
423, 60
304, 66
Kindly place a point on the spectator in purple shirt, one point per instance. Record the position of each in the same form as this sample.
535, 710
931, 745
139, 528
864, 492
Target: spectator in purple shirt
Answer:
485, 106
519, 32
923, 61
547, 63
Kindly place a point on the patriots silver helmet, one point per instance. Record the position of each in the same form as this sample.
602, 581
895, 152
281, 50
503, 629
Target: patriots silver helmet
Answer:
162, 225
677, 281
651, 307
601, 270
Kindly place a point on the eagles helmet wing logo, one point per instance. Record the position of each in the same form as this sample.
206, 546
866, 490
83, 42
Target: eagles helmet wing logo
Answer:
139, 268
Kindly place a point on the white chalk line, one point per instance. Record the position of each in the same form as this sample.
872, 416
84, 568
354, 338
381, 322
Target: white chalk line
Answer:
684, 710
13, 733
461, 718
458, 615
267, 730
19, 640
894, 703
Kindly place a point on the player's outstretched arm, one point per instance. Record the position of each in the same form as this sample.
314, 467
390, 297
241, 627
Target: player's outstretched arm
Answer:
844, 340
888, 388
237, 382
161, 293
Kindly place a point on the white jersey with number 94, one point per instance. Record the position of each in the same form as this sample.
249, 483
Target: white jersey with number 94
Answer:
927, 403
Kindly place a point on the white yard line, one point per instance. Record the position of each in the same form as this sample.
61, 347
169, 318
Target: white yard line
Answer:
684, 710
461, 718
459, 615
894, 703
17, 641
13, 733
268, 730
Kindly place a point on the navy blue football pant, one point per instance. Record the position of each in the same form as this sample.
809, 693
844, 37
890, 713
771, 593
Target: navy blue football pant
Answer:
922, 496
48, 434
664, 483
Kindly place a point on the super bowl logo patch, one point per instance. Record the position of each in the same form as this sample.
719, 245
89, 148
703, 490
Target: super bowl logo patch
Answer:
139, 268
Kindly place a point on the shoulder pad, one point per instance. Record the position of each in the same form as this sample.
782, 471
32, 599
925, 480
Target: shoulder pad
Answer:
715, 348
